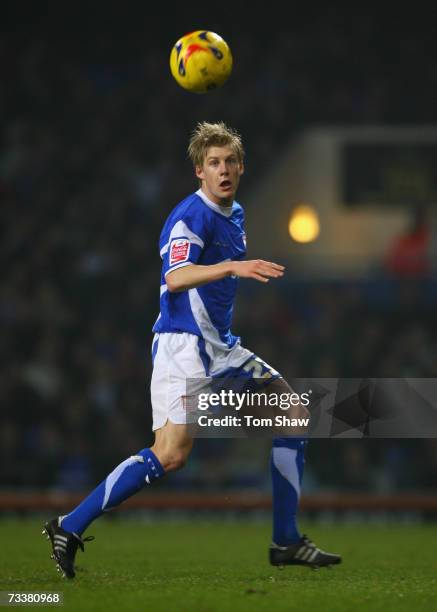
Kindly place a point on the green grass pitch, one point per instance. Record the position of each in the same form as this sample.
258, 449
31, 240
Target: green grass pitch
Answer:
199, 566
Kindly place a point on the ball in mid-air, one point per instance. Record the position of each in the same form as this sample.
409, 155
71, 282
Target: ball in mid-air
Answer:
201, 61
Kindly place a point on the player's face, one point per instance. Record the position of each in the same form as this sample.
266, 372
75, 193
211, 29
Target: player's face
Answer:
220, 175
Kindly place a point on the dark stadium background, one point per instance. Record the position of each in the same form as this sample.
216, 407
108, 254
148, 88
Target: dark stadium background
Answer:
93, 134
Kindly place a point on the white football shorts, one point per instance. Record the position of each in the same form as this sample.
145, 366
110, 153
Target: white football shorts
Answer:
181, 356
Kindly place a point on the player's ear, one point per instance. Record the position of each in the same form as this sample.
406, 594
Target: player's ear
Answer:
241, 168
199, 172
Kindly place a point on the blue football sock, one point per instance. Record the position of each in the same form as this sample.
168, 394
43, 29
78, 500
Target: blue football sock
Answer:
287, 463
127, 478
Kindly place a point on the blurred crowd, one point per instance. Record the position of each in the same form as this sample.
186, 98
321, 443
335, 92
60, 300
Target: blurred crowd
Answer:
92, 158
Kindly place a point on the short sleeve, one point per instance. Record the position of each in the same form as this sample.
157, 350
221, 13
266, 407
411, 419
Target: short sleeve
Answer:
185, 243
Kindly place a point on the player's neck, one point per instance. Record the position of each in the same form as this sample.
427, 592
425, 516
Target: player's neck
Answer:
222, 202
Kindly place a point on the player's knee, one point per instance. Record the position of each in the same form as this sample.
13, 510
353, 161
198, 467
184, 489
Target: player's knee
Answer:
171, 459
176, 460
180, 460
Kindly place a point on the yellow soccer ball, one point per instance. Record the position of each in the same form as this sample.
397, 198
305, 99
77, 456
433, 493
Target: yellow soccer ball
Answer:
201, 61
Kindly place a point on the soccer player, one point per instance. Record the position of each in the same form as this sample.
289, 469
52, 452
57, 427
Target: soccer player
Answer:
202, 246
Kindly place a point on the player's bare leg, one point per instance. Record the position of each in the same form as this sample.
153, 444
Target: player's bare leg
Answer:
172, 446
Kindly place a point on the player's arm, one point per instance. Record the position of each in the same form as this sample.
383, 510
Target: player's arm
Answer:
192, 276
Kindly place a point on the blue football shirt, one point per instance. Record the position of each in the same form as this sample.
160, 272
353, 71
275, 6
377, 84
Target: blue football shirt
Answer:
201, 232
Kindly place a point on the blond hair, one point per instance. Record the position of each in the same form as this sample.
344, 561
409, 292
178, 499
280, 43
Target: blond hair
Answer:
208, 135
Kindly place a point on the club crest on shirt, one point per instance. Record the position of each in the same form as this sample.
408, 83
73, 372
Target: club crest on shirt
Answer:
179, 250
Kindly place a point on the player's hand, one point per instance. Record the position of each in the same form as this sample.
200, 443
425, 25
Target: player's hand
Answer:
258, 269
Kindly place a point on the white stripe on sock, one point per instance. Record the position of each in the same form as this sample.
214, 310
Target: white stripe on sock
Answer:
115, 475
284, 459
